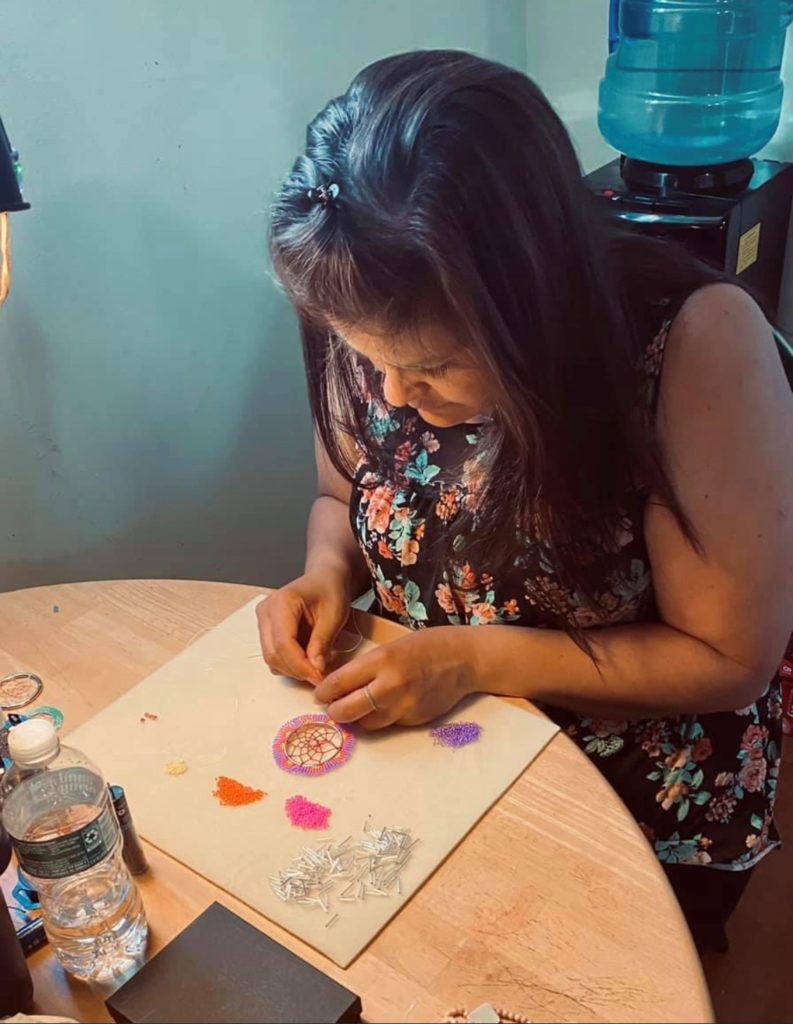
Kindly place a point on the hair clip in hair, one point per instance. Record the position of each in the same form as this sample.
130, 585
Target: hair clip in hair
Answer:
324, 195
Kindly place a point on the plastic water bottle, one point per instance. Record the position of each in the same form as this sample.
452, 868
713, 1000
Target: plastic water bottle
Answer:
57, 811
694, 82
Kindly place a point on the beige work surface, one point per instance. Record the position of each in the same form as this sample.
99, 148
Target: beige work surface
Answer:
579, 924
219, 708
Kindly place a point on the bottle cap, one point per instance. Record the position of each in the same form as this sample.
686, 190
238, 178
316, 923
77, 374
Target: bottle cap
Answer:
32, 741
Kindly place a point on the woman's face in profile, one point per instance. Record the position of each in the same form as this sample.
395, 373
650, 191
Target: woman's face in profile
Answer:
426, 368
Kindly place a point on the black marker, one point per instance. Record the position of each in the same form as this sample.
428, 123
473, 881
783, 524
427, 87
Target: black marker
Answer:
131, 851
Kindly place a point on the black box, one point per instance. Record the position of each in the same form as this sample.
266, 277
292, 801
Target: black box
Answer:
221, 970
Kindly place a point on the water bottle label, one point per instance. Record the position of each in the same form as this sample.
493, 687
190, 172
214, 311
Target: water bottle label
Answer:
70, 854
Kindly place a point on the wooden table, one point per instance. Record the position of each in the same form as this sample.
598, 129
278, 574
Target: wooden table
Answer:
553, 906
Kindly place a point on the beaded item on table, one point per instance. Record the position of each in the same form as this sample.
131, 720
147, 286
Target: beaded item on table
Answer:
460, 1016
312, 745
55, 715
19, 689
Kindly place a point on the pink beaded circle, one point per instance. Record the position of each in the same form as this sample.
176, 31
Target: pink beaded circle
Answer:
312, 745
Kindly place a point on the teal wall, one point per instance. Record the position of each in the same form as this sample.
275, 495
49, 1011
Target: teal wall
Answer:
566, 48
152, 412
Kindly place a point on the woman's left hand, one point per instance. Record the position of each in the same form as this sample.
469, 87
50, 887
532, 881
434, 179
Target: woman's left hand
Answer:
409, 681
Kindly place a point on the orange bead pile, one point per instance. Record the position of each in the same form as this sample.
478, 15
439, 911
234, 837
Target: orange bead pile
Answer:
230, 793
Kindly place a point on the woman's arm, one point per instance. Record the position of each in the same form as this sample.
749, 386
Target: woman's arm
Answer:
299, 622
645, 671
725, 426
330, 543
726, 430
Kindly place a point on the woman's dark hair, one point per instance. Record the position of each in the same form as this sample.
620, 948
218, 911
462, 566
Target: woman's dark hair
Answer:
460, 195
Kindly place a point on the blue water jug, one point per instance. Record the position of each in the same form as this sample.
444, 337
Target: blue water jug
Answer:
693, 82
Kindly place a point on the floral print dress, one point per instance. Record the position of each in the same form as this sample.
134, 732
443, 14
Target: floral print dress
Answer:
702, 787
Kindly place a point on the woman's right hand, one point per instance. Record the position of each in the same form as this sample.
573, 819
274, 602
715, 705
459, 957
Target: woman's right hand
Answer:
312, 609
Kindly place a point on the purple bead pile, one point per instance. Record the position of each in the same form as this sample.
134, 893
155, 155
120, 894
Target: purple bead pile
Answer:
457, 734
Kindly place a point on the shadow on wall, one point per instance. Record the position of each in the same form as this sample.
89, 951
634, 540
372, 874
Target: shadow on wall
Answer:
191, 458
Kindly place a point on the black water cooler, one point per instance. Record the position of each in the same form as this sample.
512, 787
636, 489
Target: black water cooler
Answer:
738, 225
733, 216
